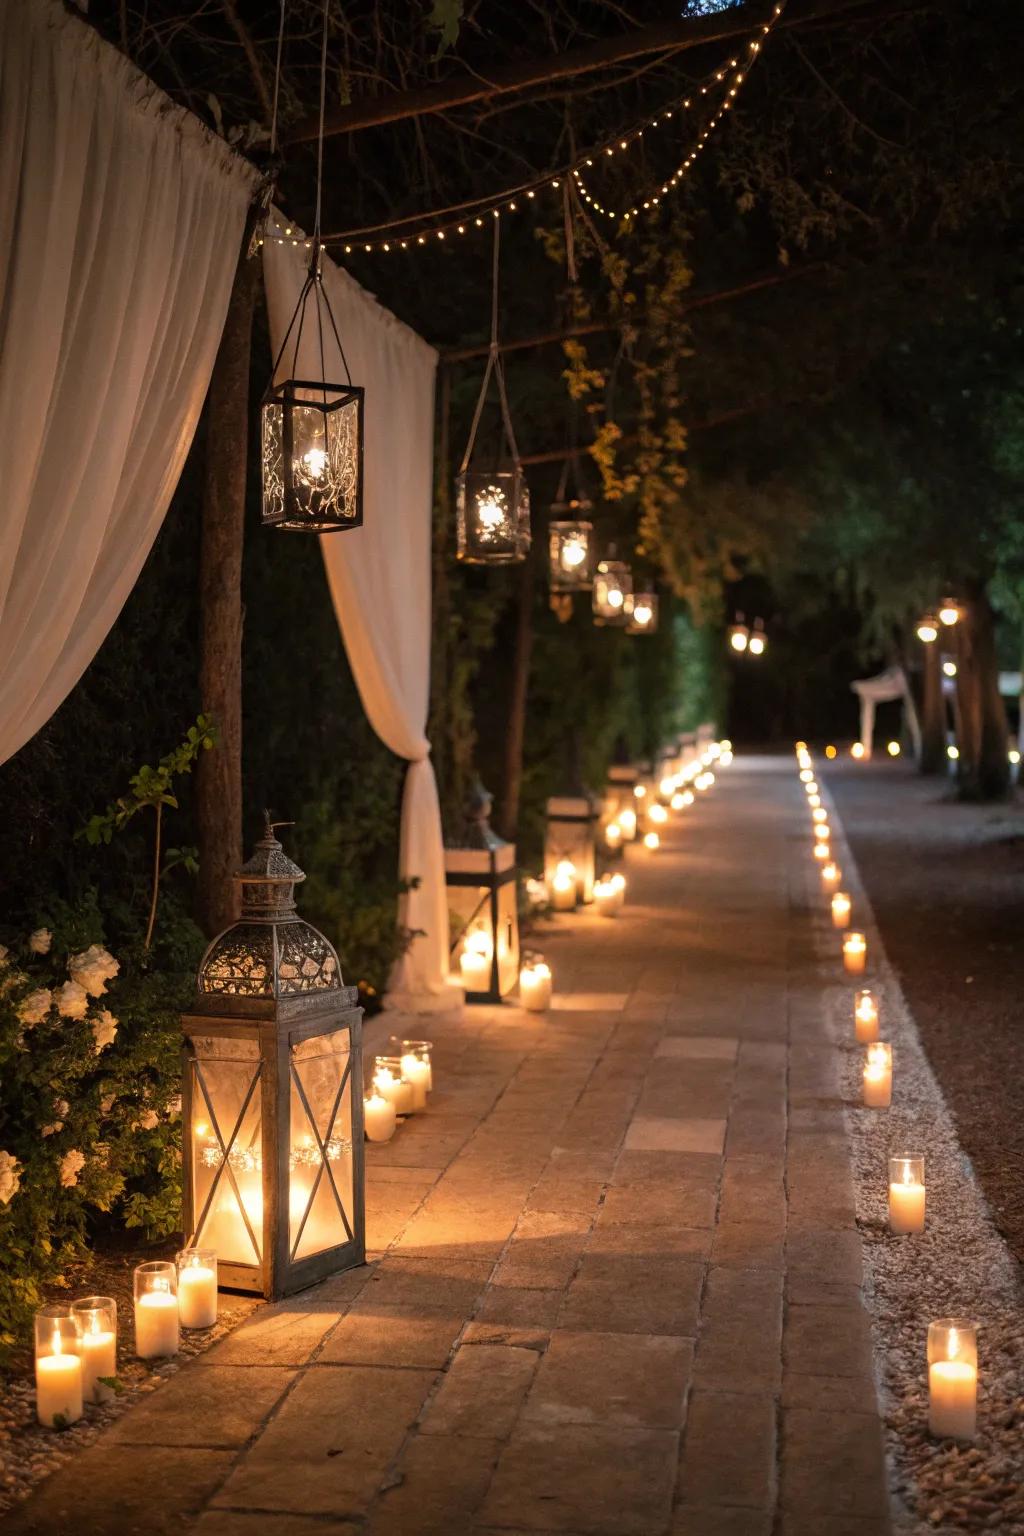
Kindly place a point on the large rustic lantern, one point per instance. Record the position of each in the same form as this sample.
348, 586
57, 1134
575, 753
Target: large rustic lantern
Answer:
312, 429
642, 613
273, 1096
481, 879
571, 839
492, 501
571, 548
613, 585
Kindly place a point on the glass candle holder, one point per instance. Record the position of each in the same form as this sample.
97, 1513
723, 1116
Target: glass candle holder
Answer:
806, 775
819, 813
475, 962
535, 983
953, 1378
157, 1328
389, 1081
855, 953
652, 841
822, 831
878, 1076
379, 1118
830, 875
97, 1345
814, 801
564, 885
613, 836
606, 897
822, 851
197, 1287
657, 814
865, 1017
627, 822
811, 786
906, 1195
842, 906
58, 1367
421, 1050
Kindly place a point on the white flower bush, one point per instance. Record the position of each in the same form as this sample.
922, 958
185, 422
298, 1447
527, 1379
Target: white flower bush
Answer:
104, 1029
40, 941
10, 1177
93, 968
72, 1000
34, 1008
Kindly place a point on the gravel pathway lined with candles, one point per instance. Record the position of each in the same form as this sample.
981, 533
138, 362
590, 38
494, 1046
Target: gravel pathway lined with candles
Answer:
959, 1267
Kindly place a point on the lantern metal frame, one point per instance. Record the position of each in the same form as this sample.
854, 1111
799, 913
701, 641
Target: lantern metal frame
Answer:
283, 491
580, 578
483, 861
615, 575
637, 601
272, 983
507, 542
571, 833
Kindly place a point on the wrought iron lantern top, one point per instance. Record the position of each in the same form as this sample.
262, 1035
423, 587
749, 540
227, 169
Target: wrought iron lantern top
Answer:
271, 952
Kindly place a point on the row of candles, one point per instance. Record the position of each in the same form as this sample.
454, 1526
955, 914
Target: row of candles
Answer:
952, 1341
76, 1342
675, 792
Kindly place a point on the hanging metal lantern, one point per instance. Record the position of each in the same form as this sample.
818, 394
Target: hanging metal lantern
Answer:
492, 505
481, 879
312, 430
571, 549
758, 640
739, 635
613, 584
273, 1101
642, 613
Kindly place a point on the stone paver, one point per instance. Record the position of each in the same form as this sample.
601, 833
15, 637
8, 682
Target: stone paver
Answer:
615, 1277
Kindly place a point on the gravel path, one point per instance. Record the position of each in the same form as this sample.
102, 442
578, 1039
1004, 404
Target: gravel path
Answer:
961, 1266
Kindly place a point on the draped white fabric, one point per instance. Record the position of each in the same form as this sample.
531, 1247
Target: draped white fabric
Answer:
120, 225
380, 577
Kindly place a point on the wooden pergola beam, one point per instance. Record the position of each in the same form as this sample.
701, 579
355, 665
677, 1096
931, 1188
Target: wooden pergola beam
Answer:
597, 327
669, 37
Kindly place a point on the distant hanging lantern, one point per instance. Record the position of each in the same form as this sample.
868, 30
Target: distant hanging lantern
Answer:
613, 584
571, 548
739, 635
492, 504
758, 640
312, 430
642, 613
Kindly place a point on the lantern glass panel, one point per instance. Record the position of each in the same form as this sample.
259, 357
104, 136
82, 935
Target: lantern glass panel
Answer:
312, 456
227, 1160
642, 608
485, 920
571, 835
613, 583
492, 517
571, 556
320, 1172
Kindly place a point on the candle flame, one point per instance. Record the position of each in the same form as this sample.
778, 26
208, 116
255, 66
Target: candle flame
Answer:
953, 1345
56, 1349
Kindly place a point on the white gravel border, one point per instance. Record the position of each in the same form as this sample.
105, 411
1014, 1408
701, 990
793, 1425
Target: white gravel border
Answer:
959, 1267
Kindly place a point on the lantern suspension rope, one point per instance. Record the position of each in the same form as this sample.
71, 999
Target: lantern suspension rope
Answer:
277, 80
495, 366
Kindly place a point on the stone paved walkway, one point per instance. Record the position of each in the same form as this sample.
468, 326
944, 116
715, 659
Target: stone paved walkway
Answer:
616, 1275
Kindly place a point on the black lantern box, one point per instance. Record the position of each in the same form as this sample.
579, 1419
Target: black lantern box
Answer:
480, 874
272, 1102
570, 839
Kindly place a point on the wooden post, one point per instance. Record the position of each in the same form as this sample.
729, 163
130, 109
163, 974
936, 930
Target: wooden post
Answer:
983, 768
219, 773
515, 734
933, 713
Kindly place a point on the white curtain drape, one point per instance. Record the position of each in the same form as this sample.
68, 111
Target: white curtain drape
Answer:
380, 577
120, 225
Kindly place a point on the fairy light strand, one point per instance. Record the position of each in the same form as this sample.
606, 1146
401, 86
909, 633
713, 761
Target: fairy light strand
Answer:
731, 76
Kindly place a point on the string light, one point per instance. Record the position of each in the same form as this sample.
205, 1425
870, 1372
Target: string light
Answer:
517, 199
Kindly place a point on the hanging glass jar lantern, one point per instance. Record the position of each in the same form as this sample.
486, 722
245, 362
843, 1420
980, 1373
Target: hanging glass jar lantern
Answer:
273, 1094
642, 613
758, 640
571, 548
739, 635
312, 429
613, 584
492, 504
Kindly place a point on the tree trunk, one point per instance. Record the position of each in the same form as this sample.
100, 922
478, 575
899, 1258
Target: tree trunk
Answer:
515, 733
933, 713
219, 773
984, 770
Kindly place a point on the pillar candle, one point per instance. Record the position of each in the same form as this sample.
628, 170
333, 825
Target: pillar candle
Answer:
952, 1378
417, 1073
606, 898
197, 1295
613, 835
535, 987
563, 891
842, 906
156, 1324
855, 953
821, 851
627, 821
830, 875
379, 1118
878, 1077
393, 1086
865, 1017
58, 1384
906, 1195
652, 842
476, 970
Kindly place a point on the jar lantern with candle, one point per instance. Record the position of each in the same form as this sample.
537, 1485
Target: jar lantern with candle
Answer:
571, 548
877, 1076
97, 1345
906, 1195
535, 984
953, 1378
855, 953
59, 1394
480, 873
390, 1081
417, 1062
865, 1017
197, 1287
830, 875
613, 585
273, 1143
842, 906
157, 1325
642, 613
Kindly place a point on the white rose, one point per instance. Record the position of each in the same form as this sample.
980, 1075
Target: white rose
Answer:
93, 968
39, 942
72, 1000
34, 1008
10, 1177
104, 1029
149, 1120
71, 1165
